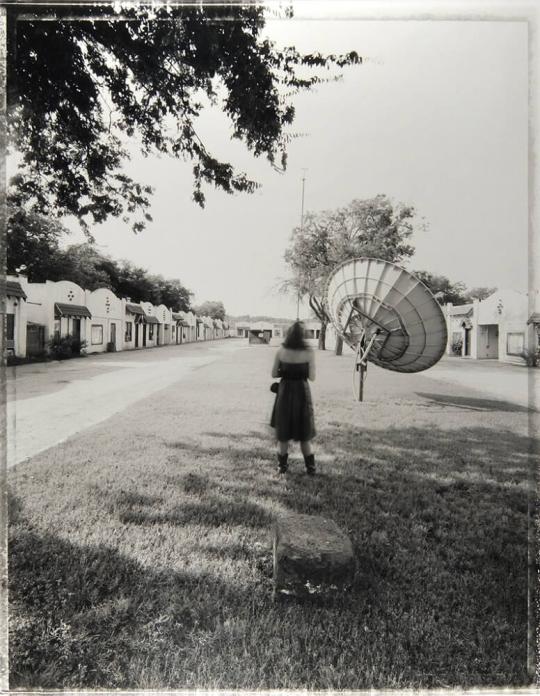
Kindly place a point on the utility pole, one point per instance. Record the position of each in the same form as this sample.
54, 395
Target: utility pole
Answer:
301, 229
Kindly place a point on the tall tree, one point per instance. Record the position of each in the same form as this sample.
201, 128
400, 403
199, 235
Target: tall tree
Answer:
211, 308
134, 282
83, 86
85, 265
171, 293
176, 296
373, 227
33, 241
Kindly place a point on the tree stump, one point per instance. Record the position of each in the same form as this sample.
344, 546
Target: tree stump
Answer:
311, 556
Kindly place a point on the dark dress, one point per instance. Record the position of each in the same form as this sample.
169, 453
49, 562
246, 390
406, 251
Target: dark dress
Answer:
292, 415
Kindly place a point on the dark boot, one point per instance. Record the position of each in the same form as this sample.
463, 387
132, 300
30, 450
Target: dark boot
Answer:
283, 464
310, 463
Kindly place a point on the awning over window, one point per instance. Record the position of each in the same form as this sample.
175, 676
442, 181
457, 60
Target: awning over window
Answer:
534, 318
134, 309
71, 310
13, 289
152, 320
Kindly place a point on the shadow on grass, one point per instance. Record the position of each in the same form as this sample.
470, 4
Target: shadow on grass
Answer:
237, 454
438, 522
473, 404
199, 503
79, 613
212, 511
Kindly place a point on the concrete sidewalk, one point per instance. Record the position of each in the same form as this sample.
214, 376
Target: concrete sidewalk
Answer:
49, 403
513, 383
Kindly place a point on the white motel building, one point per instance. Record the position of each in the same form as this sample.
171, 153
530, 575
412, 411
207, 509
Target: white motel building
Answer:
503, 327
36, 312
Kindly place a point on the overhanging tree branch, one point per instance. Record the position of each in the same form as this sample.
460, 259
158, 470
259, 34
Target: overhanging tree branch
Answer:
153, 63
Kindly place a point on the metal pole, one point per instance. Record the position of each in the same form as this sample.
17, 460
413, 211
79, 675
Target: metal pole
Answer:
301, 229
363, 367
303, 189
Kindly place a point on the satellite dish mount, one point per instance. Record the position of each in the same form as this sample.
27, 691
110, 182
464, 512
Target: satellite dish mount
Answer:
386, 315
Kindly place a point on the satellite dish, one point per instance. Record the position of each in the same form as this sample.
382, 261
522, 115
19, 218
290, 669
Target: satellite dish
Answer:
386, 315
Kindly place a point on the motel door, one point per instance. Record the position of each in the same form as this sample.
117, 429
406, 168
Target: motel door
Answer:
76, 328
76, 332
35, 339
137, 329
492, 345
10, 331
467, 343
113, 334
144, 335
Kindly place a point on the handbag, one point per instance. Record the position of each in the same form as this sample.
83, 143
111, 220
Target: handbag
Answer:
274, 387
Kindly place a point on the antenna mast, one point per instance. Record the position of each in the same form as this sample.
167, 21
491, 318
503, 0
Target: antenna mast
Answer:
301, 229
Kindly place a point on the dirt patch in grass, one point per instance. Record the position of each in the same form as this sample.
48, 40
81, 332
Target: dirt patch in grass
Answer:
140, 552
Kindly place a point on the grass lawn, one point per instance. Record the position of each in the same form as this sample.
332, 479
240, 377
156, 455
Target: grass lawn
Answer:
140, 551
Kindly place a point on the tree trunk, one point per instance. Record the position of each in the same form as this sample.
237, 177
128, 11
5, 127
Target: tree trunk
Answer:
321, 315
339, 345
322, 336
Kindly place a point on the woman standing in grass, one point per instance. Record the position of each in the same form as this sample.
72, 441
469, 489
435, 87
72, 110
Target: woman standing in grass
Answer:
292, 416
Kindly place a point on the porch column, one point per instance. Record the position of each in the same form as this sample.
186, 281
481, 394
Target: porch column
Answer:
20, 328
447, 309
475, 332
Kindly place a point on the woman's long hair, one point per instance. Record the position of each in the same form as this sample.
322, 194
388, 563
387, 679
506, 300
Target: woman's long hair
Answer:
295, 337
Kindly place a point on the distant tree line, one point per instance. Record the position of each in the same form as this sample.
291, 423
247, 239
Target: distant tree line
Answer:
33, 243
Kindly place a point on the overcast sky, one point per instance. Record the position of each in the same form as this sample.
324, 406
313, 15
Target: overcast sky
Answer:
436, 117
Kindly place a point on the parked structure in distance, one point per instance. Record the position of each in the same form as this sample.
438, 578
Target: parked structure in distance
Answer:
502, 327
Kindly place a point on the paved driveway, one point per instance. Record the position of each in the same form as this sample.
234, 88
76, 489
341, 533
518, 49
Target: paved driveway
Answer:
47, 403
